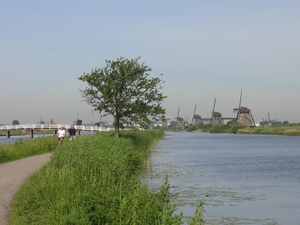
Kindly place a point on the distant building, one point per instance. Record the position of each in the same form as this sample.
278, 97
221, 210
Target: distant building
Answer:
78, 122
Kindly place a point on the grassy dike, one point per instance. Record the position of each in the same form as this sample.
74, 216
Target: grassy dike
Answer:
96, 180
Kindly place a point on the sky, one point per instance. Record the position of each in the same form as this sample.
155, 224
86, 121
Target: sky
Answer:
204, 49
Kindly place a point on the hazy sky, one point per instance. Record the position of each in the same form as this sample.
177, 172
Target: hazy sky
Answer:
204, 49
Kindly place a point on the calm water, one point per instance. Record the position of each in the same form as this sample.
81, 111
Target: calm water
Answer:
12, 139
243, 179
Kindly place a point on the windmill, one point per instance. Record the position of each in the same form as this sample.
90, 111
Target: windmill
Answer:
264, 122
269, 122
179, 120
78, 121
164, 122
216, 117
42, 121
196, 120
244, 115
186, 121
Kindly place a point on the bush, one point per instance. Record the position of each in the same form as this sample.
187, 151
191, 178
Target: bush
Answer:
231, 127
192, 128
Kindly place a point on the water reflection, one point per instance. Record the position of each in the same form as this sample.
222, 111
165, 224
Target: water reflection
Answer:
12, 139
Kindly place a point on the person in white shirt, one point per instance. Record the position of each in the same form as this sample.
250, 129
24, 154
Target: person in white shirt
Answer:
61, 134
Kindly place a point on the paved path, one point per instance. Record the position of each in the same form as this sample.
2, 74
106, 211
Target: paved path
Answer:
13, 175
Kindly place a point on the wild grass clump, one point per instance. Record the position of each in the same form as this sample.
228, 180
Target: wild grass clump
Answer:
25, 148
292, 132
270, 130
192, 128
274, 130
95, 180
231, 127
238, 128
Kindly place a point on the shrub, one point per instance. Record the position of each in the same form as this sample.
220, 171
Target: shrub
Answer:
192, 128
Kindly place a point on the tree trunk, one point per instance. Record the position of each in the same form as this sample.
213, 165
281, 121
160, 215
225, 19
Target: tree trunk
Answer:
117, 127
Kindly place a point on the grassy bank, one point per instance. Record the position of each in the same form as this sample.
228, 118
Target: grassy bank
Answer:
231, 127
291, 130
237, 128
25, 148
25, 132
96, 180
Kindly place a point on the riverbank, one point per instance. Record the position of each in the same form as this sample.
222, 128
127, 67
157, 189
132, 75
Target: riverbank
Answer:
237, 128
281, 130
96, 180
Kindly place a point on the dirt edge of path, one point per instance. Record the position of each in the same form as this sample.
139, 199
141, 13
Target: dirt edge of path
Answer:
13, 175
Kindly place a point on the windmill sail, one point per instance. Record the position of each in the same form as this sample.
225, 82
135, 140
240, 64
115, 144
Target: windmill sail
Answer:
194, 114
179, 120
216, 117
244, 115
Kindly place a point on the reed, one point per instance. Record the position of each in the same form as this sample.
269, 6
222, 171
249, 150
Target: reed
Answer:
231, 127
96, 180
238, 128
277, 130
25, 148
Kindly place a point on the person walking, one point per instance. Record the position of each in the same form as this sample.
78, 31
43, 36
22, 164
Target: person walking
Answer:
72, 132
61, 134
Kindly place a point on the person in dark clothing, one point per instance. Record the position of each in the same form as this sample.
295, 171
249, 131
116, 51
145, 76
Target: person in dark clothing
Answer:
72, 132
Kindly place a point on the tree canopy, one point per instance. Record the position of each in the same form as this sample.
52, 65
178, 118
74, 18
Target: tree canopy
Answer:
124, 90
15, 122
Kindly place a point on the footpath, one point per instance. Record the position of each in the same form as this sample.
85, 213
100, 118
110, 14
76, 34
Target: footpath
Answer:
13, 175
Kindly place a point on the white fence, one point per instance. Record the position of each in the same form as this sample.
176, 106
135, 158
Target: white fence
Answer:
53, 127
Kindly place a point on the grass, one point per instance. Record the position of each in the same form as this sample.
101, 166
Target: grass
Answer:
237, 128
96, 180
231, 127
277, 130
25, 148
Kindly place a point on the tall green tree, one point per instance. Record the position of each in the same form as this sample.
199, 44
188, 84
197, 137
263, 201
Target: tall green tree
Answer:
124, 90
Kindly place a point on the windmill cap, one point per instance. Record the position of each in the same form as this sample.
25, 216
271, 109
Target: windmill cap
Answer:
244, 110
